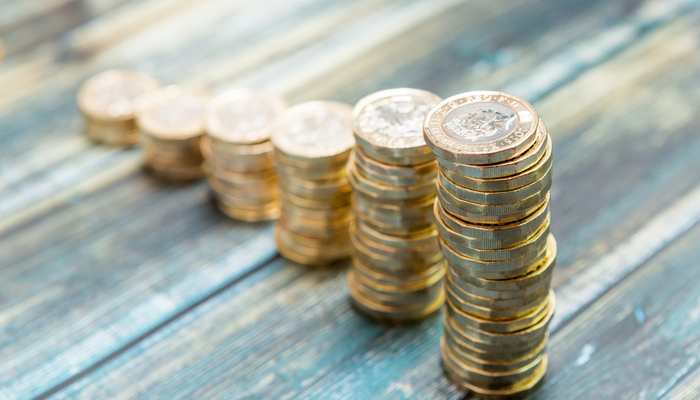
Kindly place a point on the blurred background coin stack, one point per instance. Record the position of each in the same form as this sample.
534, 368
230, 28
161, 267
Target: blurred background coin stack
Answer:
397, 268
238, 151
495, 160
109, 106
312, 142
171, 124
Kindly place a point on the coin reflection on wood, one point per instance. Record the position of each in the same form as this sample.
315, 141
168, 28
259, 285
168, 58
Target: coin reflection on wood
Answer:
492, 214
311, 146
397, 270
171, 124
109, 103
237, 150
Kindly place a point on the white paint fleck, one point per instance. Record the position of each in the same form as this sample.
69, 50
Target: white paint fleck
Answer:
585, 355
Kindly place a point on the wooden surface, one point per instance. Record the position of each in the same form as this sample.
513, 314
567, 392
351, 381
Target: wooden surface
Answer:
116, 286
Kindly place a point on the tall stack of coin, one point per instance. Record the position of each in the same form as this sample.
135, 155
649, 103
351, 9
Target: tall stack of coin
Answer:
237, 150
171, 125
109, 106
312, 143
495, 158
397, 268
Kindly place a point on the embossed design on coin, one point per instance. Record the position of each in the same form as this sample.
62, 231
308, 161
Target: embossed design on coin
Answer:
478, 123
245, 116
111, 95
317, 129
399, 119
182, 110
173, 113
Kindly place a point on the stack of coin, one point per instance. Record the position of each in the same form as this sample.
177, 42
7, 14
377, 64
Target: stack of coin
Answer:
237, 150
495, 160
171, 125
109, 106
397, 268
311, 146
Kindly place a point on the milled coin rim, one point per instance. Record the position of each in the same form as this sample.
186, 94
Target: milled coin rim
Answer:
417, 142
217, 130
514, 144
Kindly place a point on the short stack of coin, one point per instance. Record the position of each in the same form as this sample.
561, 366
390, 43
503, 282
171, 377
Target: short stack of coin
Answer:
397, 269
237, 150
109, 105
495, 158
171, 124
311, 145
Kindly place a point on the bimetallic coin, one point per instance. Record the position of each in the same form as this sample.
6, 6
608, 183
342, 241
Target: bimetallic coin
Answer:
392, 180
243, 116
494, 314
112, 95
464, 319
267, 212
237, 158
470, 207
524, 178
488, 219
420, 239
403, 295
401, 279
390, 122
375, 189
406, 175
399, 228
317, 190
493, 366
172, 113
481, 128
314, 130
390, 265
507, 168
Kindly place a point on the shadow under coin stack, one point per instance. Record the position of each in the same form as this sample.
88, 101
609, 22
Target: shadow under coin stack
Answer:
492, 212
238, 151
397, 268
312, 142
171, 125
108, 103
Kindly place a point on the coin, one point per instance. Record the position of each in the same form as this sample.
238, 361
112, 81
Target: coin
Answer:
393, 227
317, 190
427, 251
243, 116
487, 219
490, 300
481, 127
490, 365
389, 123
378, 189
420, 239
486, 312
464, 319
401, 279
489, 209
395, 175
270, 211
239, 158
399, 295
172, 113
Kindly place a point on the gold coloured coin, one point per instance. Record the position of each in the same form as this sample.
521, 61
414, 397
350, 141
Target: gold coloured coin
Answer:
420, 239
469, 207
493, 366
395, 175
495, 314
481, 128
112, 95
377, 189
464, 319
389, 265
269, 212
401, 279
172, 113
317, 190
242, 159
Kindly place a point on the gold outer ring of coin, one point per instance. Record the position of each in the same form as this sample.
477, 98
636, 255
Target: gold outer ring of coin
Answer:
493, 366
389, 226
319, 251
464, 319
331, 243
316, 227
303, 259
418, 211
490, 303
267, 213
456, 240
502, 269
490, 219
490, 380
329, 164
308, 121
388, 265
507, 168
399, 280
392, 314
498, 357
377, 189
318, 190
394, 145
415, 173
407, 203
392, 180
424, 238
310, 213
175, 174
266, 178
477, 152
531, 334
398, 295
498, 391
167, 102
261, 194
512, 196
241, 159
173, 148
312, 174
237, 202
414, 253
490, 313
340, 202
534, 244
217, 128
399, 161
490, 209
525, 227
507, 183
133, 85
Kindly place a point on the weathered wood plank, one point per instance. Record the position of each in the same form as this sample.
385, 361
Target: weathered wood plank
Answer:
687, 388
305, 341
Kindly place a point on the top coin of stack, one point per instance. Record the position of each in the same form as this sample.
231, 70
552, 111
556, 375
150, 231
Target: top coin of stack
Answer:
495, 160
237, 150
312, 143
171, 125
108, 103
397, 266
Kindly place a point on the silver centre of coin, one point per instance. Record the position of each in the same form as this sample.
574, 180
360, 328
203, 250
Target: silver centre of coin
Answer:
117, 99
180, 111
397, 119
317, 130
245, 116
480, 122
